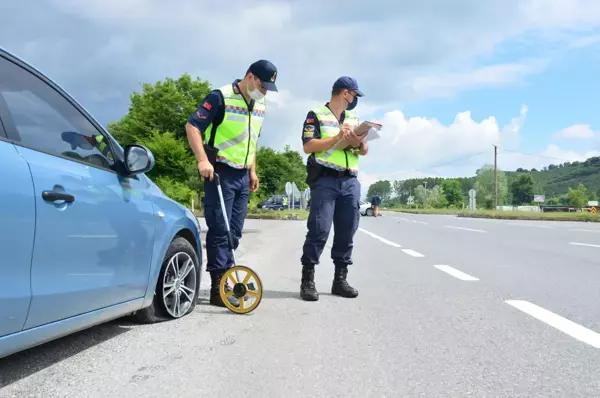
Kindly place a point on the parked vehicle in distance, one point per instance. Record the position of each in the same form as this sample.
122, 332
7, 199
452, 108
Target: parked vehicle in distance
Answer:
86, 236
366, 209
275, 202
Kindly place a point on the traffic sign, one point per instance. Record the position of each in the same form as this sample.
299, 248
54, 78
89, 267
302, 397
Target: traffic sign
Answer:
288, 188
539, 198
410, 200
472, 199
593, 210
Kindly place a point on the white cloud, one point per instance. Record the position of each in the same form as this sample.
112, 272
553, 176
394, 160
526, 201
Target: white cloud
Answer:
576, 131
425, 144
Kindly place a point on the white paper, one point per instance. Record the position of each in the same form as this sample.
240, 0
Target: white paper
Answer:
373, 134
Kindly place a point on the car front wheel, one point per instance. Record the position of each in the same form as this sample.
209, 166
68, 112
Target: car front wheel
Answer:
178, 284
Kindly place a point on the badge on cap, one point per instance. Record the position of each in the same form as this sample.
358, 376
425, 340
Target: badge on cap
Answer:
274, 76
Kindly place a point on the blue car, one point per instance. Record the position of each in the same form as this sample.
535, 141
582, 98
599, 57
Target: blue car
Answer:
85, 236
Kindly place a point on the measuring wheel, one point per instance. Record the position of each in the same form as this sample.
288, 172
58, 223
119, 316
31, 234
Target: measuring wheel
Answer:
245, 285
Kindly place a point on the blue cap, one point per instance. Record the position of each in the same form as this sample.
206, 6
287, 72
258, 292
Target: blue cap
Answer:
266, 72
348, 83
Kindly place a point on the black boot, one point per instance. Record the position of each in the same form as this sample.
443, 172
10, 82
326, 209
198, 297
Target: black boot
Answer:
340, 286
308, 291
215, 297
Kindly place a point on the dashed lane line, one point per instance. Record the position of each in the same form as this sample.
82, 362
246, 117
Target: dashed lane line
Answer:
584, 244
384, 240
410, 252
564, 325
455, 273
465, 229
413, 253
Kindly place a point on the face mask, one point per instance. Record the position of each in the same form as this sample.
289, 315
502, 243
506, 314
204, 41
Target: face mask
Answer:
352, 104
255, 94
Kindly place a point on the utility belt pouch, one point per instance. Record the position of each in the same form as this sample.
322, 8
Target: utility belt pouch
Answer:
211, 154
313, 170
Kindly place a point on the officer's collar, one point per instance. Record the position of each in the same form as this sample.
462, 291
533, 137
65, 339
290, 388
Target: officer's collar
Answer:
236, 89
342, 116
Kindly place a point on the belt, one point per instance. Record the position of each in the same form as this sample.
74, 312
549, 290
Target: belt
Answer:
329, 172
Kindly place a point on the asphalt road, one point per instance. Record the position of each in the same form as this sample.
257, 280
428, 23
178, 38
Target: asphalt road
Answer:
448, 307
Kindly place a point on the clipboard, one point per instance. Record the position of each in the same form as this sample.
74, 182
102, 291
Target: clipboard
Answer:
362, 130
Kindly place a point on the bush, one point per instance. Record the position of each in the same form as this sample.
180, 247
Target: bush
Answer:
176, 190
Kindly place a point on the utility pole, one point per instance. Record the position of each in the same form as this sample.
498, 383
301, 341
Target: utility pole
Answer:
495, 177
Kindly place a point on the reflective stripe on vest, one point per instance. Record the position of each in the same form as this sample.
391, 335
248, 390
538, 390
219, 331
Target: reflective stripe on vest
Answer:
336, 159
236, 137
103, 146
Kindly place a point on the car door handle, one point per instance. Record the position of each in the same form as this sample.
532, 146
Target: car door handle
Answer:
53, 196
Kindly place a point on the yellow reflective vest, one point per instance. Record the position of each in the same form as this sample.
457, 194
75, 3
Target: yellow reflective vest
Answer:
336, 159
236, 137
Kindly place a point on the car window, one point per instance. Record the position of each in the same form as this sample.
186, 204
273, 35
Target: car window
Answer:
44, 120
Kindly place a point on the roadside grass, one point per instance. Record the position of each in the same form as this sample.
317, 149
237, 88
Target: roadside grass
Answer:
258, 214
508, 215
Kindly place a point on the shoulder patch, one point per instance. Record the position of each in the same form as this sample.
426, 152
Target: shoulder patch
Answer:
207, 106
309, 131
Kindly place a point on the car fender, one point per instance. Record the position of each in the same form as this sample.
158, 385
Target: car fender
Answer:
172, 220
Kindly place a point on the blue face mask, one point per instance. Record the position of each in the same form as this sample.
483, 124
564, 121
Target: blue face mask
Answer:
353, 104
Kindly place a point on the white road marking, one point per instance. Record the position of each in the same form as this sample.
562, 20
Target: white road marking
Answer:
387, 242
585, 230
413, 253
402, 219
455, 273
564, 325
466, 229
529, 225
420, 222
583, 244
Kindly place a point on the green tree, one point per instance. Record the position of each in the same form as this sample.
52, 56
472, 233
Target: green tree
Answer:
453, 192
420, 195
484, 186
578, 197
522, 190
164, 106
436, 197
398, 188
383, 188
275, 168
171, 154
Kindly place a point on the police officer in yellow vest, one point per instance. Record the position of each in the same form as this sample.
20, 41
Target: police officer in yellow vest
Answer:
334, 187
223, 133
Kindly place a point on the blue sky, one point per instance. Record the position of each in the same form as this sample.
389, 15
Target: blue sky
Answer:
448, 79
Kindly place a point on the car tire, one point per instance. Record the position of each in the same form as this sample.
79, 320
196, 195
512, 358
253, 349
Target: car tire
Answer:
179, 254
369, 212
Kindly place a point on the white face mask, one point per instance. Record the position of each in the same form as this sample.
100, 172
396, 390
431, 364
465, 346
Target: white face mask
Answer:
255, 94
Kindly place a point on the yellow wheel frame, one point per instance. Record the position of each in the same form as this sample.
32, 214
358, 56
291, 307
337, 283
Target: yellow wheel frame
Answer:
231, 274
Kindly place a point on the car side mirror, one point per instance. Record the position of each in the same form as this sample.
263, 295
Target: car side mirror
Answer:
138, 159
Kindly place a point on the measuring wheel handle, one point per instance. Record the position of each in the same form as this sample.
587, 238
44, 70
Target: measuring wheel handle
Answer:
243, 290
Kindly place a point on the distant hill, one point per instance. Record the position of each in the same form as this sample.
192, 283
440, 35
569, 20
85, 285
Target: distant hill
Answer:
552, 181
555, 180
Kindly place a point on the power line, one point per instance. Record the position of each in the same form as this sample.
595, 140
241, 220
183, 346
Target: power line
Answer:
538, 156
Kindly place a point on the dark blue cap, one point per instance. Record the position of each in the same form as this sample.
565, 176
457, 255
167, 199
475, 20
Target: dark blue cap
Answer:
266, 72
348, 83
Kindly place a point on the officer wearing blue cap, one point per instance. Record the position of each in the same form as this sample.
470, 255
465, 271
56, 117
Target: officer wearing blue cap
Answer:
334, 187
223, 134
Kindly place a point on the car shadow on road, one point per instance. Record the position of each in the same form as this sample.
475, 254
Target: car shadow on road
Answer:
26, 363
